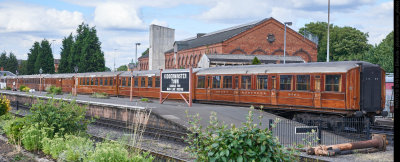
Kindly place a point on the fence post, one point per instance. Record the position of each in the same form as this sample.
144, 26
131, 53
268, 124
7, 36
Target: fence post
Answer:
319, 130
17, 105
368, 129
271, 121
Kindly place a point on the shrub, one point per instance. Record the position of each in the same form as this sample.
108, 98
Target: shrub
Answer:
53, 146
21, 88
109, 151
13, 129
76, 148
100, 95
248, 143
144, 99
4, 105
32, 136
8, 88
64, 117
53, 90
26, 89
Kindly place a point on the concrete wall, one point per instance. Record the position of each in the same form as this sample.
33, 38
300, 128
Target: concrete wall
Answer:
161, 40
204, 62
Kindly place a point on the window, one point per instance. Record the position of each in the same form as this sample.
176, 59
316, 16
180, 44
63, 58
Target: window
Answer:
111, 81
227, 82
105, 81
333, 83
150, 82
262, 81
129, 81
201, 82
81, 81
285, 82
303, 82
273, 82
216, 83
236, 82
246, 82
96, 81
91, 81
157, 81
87, 81
142, 82
124, 82
101, 81
136, 82
317, 83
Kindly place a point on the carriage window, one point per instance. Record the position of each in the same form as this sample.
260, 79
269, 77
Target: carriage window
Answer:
105, 81
262, 81
246, 82
285, 82
149, 82
101, 81
111, 81
201, 81
227, 82
142, 81
216, 83
91, 81
317, 83
96, 81
333, 83
123, 82
157, 81
136, 82
87, 81
273, 82
129, 81
236, 82
303, 82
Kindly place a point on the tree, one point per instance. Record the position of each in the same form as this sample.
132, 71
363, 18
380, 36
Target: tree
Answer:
9, 63
66, 52
107, 69
32, 55
122, 68
346, 43
145, 52
22, 69
383, 53
3, 60
256, 61
45, 59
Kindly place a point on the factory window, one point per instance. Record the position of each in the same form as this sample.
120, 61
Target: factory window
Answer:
136, 82
262, 81
105, 81
142, 82
303, 82
216, 83
149, 82
246, 82
227, 82
333, 83
285, 82
201, 82
157, 82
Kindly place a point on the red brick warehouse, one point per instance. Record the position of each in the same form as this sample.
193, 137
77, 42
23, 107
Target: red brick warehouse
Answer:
265, 37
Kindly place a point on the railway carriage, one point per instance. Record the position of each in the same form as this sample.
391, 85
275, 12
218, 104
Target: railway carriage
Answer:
99, 82
145, 83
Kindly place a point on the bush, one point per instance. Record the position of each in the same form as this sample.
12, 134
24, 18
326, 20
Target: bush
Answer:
64, 117
13, 129
26, 89
53, 146
100, 95
76, 148
4, 105
8, 88
144, 99
248, 143
32, 136
21, 88
53, 90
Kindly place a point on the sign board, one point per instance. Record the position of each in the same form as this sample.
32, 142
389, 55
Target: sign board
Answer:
305, 129
175, 82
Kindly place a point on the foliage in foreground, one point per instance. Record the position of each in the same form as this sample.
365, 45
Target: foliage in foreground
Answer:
218, 142
4, 105
53, 90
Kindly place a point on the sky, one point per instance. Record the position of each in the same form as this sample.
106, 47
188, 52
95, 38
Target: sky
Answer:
122, 23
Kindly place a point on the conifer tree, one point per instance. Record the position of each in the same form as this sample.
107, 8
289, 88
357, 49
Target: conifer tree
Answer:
66, 51
32, 55
45, 59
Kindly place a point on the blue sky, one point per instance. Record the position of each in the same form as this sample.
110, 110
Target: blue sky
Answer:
122, 23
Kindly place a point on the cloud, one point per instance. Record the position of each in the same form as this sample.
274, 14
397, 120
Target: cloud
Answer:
116, 15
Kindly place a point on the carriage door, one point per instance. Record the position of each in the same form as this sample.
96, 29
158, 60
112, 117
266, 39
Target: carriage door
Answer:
370, 89
236, 88
317, 91
208, 87
273, 90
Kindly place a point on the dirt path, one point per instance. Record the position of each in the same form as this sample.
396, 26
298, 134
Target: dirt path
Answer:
8, 152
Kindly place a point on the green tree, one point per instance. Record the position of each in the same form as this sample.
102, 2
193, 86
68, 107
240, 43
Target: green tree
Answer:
22, 69
346, 43
12, 63
122, 68
107, 69
32, 55
45, 59
256, 61
383, 53
66, 53
3, 60
145, 52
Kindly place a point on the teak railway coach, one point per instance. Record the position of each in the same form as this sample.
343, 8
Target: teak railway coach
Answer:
349, 88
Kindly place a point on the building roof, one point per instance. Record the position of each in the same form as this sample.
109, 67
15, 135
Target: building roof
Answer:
144, 56
215, 37
7, 73
249, 58
315, 67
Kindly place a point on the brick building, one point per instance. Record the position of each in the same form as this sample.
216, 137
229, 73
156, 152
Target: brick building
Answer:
265, 37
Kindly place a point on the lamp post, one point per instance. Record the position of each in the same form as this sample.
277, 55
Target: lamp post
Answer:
114, 58
327, 40
131, 66
137, 44
76, 79
284, 42
16, 73
40, 87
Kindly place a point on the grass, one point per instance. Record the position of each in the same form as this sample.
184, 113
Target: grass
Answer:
101, 95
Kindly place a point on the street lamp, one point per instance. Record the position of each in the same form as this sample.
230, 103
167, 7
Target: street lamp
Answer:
137, 44
284, 42
40, 87
76, 79
114, 58
131, 66
16, 73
